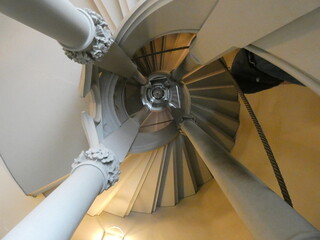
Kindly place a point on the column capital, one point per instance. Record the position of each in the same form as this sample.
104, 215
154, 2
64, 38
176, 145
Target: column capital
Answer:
102, 39
103, 159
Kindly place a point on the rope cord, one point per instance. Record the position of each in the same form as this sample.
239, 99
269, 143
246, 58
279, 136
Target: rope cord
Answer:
264, 141
160, 52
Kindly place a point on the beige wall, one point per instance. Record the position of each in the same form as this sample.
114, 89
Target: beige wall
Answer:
290, 116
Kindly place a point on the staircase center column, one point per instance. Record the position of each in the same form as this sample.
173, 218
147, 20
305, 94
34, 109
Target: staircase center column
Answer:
266, 215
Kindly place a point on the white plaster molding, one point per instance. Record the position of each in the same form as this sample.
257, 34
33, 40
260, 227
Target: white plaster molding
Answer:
100, 44
95, 106
103, 159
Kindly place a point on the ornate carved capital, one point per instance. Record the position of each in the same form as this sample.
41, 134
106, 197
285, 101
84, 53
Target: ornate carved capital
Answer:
100, 45
104, 159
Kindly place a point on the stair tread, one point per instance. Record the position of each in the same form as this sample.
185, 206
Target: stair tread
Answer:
200, 170
121, 201
227, 93
148, 193
215, 99
214, 131
204, 70
210, 87
211, 80
206, 76
168, 189
142, 180
226, 107
227, 124
186, 182
157, 190
102, 200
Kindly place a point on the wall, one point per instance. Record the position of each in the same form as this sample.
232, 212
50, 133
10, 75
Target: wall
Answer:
40, 127
14, 205
290, 117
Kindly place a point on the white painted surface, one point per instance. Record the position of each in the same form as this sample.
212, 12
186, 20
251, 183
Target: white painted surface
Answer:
122, 202
102, 201
168, 188
106, 16
235, 24
90, 129
57, 19
131, 3
148, 193
60, 213
40, 124
185, 15
298, 45
114, 10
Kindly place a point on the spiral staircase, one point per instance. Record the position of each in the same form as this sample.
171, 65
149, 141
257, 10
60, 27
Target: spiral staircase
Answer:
165, 38
163, 167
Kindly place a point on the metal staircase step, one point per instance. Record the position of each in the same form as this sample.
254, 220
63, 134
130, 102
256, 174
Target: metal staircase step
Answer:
122, 202
227, 107
215, 66
226, 123
199, 169
187, 185
168, 194
148, 194
221, 137
226, 92
212, 79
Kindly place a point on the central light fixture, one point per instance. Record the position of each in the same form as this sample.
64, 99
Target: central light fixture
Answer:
113, 233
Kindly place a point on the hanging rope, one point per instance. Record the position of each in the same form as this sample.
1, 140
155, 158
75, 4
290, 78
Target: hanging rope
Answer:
160, 52
264, 141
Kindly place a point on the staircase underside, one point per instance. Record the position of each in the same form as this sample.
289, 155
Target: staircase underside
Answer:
162, 166
165, 167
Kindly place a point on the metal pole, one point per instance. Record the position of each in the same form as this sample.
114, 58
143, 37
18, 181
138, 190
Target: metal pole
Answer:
266, 215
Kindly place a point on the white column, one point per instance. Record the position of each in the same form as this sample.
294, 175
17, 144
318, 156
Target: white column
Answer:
94, 171
58, 19
266, 215
84, 35
60, 213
